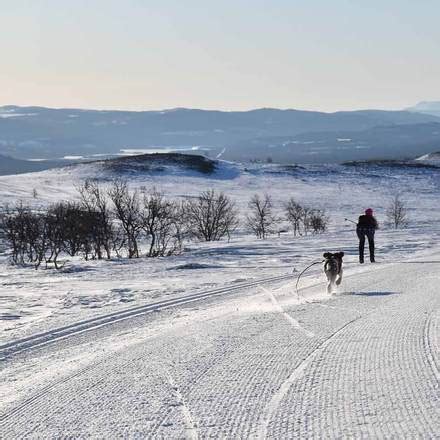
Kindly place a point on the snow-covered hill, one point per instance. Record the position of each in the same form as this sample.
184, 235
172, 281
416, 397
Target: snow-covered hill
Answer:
343, 191
217, 342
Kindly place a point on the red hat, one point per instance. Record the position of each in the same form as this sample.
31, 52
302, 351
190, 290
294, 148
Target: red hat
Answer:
369, 211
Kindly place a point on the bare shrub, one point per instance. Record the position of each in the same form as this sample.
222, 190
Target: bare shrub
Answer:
56, 220
17, 227
34, 237
210, 216
160, 219
38, 240
306, 219
397, 212
127, 211
261, 219
294, 214
318, 221
94, 201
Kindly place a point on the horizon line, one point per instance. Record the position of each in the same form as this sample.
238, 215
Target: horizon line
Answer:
173, 109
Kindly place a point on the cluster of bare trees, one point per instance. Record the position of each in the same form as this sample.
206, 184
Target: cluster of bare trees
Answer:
106, 222
263, 221
304, 219
116, 220
41, 236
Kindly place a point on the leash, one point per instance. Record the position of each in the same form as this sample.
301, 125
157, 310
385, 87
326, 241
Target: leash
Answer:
299, 276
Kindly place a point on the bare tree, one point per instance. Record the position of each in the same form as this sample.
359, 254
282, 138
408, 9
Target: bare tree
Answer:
39, 240
261, 219
306, 219
397, 213
294, 214
34, 237
55, 220
16, 227
127, 210
160, 218
318, 221
75, 227
94, 200
210, 216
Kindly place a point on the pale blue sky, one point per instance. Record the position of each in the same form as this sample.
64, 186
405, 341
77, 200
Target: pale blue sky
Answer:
233, 55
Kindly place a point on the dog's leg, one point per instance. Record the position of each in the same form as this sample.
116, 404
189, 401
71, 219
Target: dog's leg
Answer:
333, 284
339, 280
329, 287
329, 282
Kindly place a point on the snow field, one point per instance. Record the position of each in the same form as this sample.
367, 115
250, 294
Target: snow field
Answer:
255, 363
32, 300
226, 371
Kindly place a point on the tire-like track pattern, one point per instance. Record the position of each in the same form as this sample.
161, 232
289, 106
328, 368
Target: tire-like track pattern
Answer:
370, 371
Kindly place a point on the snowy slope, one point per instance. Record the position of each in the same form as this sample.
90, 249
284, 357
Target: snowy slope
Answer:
363, 364
36, 300
253, 361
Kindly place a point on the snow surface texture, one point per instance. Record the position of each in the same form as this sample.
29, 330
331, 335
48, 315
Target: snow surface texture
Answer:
362, 364
254, 362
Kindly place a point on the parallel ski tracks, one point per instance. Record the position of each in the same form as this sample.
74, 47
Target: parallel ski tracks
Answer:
40, 339
430, 341
73, 329
68, 331
272, 406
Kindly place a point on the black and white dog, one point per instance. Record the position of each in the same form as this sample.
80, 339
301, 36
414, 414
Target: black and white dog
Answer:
333, 269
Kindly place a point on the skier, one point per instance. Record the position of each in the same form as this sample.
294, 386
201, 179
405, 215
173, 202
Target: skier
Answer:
366, 227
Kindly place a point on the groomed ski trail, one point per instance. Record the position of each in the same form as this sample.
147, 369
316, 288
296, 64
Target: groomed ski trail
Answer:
371, 370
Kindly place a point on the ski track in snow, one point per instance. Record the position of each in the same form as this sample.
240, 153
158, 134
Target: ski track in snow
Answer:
300, 370
289, 318
432, 342
191, 428
370, 371
38, 340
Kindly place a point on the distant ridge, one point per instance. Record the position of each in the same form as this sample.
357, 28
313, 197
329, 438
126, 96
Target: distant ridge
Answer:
40, 132
427, 107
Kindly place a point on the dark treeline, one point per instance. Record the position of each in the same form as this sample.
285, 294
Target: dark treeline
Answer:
116, 221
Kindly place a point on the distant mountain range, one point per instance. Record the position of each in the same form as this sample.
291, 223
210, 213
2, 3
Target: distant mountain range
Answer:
287, 135
403, 141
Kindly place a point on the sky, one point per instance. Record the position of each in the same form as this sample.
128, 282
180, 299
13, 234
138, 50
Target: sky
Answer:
323, 55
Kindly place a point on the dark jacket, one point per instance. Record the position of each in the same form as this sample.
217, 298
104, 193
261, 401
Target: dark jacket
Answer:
367, 223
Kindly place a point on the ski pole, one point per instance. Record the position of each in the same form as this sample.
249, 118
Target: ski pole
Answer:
351, 221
